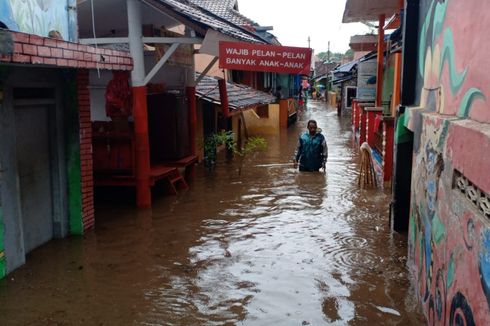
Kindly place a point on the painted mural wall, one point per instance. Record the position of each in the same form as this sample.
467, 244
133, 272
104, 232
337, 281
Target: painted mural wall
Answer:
449, 233
40, 17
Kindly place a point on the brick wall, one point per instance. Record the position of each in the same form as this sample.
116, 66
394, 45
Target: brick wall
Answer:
86, 162
33, 49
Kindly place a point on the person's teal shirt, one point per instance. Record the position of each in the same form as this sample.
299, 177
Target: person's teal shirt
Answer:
311, 152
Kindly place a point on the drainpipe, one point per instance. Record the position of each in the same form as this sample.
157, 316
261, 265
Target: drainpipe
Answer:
140, 109
381, 46
224, 98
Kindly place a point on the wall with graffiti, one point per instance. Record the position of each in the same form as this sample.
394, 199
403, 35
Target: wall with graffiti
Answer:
449, 236
40, 17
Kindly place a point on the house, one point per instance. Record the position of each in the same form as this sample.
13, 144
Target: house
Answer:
441, 185
45, 136
447, 114
264, 81
72, 117
249, 111
373, 115
157, 135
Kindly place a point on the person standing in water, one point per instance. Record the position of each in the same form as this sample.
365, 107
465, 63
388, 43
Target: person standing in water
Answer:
311, 151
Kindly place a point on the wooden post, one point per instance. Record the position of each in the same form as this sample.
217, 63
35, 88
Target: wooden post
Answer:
362, 125
191, 97
190, 170
283, 113
140, 113
372, 113
223, 94
381, 48
397, 83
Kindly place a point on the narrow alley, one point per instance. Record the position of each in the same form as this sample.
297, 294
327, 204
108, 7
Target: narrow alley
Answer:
271, 246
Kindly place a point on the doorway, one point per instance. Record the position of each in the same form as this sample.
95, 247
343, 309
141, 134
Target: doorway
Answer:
34, 171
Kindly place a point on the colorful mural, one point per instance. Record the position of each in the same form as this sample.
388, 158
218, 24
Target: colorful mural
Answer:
449, 233
450, 59
38, 17
449, 242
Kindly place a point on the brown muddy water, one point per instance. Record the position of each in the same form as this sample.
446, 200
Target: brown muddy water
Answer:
270, 247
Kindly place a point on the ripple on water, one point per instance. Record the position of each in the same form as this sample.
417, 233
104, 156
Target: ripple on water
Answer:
350, 259
350, 241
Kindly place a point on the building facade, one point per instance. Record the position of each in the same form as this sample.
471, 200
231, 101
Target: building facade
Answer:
46, 185
449, 229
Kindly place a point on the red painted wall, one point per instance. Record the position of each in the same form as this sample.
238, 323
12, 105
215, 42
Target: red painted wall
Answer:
86, 161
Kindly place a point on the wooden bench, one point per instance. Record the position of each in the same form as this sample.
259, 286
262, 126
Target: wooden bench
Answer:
157, 173
171, 174
188, 163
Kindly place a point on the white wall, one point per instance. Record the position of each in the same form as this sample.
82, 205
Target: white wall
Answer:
97, 88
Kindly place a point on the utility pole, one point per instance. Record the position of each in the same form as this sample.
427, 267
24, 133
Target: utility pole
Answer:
309, 41
328, 52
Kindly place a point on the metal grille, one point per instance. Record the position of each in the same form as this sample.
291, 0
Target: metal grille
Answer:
477, 197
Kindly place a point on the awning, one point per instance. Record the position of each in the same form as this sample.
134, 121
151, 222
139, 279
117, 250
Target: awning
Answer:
321, 77
363, 10
239, 96
366, 42
341, 80
346, 67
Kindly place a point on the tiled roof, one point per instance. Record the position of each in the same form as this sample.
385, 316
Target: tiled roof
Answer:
239, 96
189, 10
225, 9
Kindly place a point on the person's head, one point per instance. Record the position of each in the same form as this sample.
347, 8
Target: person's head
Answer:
312, 127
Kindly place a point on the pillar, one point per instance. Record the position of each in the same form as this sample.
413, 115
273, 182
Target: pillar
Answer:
140, 108
381, 48
372, 113
191, 97
86, 157
283, 113
397, 83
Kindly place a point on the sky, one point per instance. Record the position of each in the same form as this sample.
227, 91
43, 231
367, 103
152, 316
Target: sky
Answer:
295, 20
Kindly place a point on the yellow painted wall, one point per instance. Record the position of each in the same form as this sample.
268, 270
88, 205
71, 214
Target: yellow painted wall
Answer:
262, 126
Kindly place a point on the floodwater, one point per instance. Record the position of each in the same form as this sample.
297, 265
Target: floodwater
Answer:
271, 246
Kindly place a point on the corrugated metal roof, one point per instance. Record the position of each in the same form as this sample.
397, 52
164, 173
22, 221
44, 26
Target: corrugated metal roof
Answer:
196, 13
346, 67
342, 79
239, 96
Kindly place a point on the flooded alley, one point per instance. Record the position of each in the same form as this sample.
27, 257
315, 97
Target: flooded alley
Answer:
271, 246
